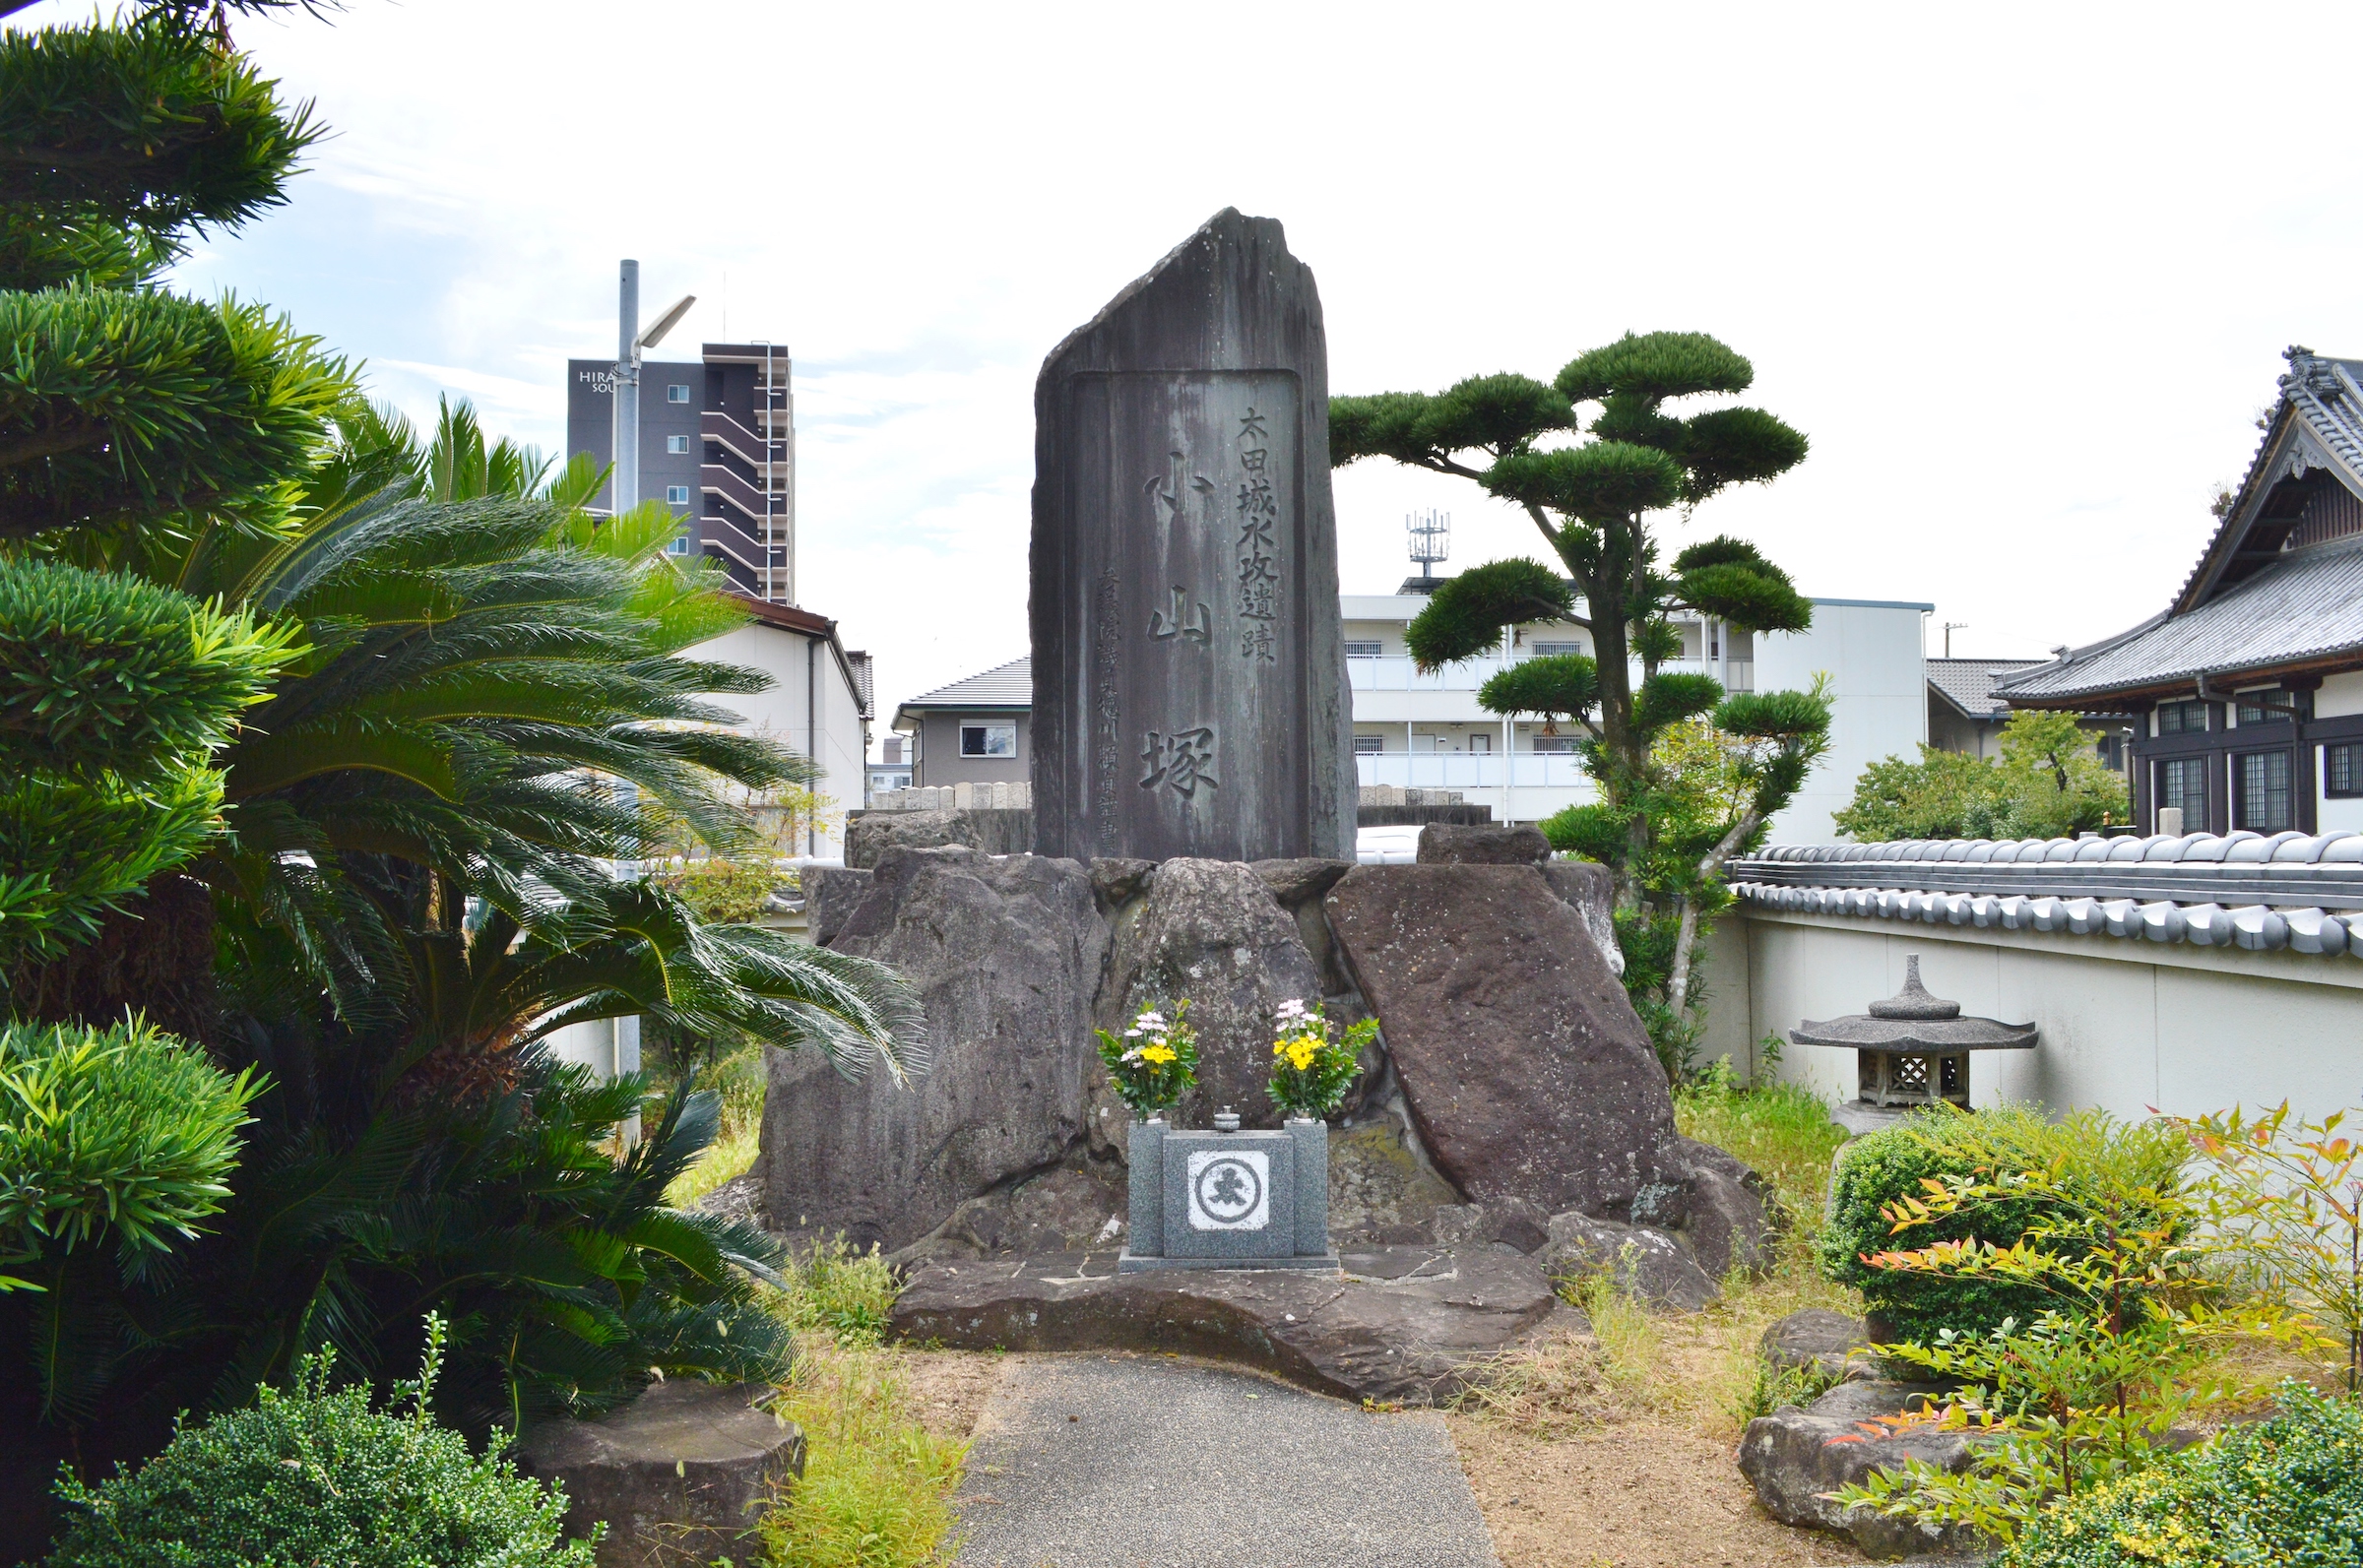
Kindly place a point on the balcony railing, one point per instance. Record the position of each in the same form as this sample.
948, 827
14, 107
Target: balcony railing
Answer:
1471, 770
750, 447
1399, 673
714, 480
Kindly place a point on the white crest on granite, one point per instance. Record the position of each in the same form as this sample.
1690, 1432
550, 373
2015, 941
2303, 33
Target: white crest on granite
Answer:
1229, 1189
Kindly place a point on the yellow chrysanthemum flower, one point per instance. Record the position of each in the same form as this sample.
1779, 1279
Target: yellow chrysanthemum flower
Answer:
1301, 1053
1160, 1054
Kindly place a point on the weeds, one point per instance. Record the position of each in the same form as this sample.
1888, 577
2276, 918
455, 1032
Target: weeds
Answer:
738, 1078
878, 1487
1701, 1369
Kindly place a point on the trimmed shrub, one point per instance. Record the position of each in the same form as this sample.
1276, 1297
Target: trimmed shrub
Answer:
2287, 1490
1893, 1163
313, 1476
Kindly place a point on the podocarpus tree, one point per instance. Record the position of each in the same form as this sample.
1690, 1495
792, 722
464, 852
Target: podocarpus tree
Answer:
124, 409
1598, 503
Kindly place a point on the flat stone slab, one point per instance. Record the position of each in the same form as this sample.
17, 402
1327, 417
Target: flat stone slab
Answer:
1131, 1461
1401, 1324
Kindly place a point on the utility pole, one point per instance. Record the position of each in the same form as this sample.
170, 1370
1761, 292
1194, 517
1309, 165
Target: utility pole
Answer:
1950, 628
625, 482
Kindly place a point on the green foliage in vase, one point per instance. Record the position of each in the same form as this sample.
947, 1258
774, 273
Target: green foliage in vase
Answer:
1597, 503
1313, 1063
312, 1475
1153, 1062
2288, 1489
2089, 1151
2046, 783
120, 1134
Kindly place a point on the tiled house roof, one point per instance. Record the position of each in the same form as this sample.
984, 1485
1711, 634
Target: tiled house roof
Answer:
1968, 683
2279, 587
1010, 685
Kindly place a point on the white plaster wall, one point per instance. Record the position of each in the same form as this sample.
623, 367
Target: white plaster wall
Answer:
2340, 696
1874, 653
780, 711
1725, 975
2127, 1027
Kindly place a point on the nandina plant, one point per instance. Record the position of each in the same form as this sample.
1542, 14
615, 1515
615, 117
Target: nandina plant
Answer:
1153, 1062
1312, 1065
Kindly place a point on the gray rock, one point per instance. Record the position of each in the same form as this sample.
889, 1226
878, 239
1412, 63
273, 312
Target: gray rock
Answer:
1817, 1338
1381, 1190
831, 894
1211, 931
1793, 1456
995, 832
740, 1198
677, 1476
1293, 882
1404, 1323
1189, 677
1116, 882
1006, 955
1504, 844
1065, 1209
1732, 1215
1591, 892
1645, 1262
1525, 1069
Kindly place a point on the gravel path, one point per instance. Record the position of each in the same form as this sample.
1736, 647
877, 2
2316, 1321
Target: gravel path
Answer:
1123, 1461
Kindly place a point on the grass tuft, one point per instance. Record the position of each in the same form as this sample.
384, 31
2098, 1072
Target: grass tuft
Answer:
740, 1080
878, 1485
1702, 1369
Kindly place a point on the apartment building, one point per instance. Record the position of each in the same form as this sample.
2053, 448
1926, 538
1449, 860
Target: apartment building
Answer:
717, 445
1428, 732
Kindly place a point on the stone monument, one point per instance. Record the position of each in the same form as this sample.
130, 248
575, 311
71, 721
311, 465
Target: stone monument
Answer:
1188, 676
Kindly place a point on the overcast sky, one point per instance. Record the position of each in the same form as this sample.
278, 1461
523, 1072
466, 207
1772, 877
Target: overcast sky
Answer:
2023, 274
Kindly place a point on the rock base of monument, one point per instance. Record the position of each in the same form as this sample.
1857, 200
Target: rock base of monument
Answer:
1401, 1324
1325, 1263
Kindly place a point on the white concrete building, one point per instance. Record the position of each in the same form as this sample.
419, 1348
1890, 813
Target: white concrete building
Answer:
819, 705
1427, 731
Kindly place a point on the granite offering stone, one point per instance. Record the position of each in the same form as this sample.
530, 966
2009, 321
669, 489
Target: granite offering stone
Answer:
1145, 1160
1188, 673
1230, 1195
1311, 1164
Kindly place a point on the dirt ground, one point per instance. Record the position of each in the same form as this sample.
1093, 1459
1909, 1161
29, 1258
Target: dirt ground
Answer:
948, 1387
1633, 1495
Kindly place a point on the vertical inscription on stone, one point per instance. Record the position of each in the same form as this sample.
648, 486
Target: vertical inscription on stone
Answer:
1108, 714
1258, 559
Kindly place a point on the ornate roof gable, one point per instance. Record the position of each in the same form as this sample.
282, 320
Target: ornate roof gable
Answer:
2316, 429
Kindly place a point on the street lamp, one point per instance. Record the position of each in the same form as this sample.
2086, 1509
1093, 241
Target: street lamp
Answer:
630, 342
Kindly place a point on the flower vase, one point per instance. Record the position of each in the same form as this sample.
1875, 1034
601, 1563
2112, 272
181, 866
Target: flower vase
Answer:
1312, 1136
1144, 1155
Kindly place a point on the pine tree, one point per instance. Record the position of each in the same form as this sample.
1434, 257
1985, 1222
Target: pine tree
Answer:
1598, 504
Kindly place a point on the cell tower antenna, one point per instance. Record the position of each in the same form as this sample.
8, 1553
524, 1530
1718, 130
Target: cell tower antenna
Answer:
1431, 537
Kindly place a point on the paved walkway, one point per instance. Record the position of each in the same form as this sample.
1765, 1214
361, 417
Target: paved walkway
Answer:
1123, 1461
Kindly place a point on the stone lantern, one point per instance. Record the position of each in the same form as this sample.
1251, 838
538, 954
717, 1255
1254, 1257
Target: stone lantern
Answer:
1911, 1051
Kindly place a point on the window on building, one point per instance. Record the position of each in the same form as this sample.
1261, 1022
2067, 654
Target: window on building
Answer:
676, 443
676, 393
2176, 719
678, 547
1562, 744
2252, 711
1365, 650
2183, 783
989, 741
1546, 649
2263, 790
2343, 769
676, 494
1369, 745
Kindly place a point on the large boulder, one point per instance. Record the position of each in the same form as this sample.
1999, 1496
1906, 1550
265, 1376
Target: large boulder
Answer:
1407, 1322
1795, 1457
1212, 931
1005, 954
1590, 890
870, 835
1525, 1071
1492, 844
677, 1476
1641, 1261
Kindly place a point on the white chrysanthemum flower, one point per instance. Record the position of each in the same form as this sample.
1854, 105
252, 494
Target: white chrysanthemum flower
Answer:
1131, 1033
